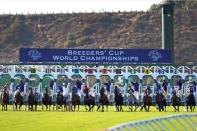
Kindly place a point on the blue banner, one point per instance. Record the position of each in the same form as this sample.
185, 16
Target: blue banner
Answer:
132, 56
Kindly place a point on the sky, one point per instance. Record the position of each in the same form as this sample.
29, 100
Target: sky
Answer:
64, 6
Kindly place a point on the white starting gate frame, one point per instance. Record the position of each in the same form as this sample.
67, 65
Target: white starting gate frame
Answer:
141, 71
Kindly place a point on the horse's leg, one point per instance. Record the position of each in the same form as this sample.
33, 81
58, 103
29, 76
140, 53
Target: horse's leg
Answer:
136, 105
65, 106
102, 108
193, 107
78, 107
89, 107
35, 107
62, 107
75, 107
93, 107
174, 108
16, 106
121, 109
187, 105
86, 107
117, 108
6, 107
141, 109
71, 107
46, 107
131, 107
149, 108
20, 106
98, 108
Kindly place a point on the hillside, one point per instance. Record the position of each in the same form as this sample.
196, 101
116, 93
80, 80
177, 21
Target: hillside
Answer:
94, 30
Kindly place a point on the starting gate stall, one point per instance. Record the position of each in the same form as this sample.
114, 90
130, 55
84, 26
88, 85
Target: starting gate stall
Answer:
62, 81
133, 79
48, 82
90, 82
33, 82
190, 82
6, 79
160, 79
147, 81
18, 78
106, 82
174, 84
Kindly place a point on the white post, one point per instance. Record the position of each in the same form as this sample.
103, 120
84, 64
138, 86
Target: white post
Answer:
25, 88
11, 88
40, 88
111, 87
54, 87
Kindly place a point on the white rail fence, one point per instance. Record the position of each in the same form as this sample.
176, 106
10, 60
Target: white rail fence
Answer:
161, 123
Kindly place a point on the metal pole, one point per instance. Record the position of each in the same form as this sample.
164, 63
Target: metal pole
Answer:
168, 26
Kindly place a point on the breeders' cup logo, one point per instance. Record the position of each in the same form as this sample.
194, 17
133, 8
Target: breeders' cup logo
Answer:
34, 54
155, 55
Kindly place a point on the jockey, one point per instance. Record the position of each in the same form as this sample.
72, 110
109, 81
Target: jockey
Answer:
173, 92
107, 85
158, 87
30, 90
75, 90
130, 90
78, 84
165, 85
21, 86
5, 89
35, 91
116, 91
180, 83
51, 84
86, 90
102, 90
36, 94
47, 91
148, 90
60, 89
194, 85
136, 86
65, 90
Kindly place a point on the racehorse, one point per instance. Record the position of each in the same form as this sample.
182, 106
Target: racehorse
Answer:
4, 99
89, 100
103, 100
60, 101
191, 102
132, 102
75, 101
31, 100
118, 102
46, 100
147, 102
176, 102
18, 100
161, 101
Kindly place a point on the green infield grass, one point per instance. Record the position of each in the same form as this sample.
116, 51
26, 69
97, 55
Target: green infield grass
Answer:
75, 121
